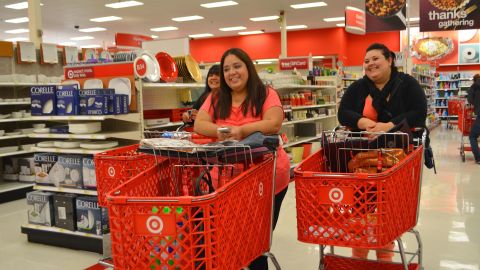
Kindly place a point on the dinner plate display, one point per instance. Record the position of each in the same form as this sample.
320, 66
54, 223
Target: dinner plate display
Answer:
46, 144
153, 68
122, 86
69, 82
66, 144
168, 67
188, 69
98, 145
92, 83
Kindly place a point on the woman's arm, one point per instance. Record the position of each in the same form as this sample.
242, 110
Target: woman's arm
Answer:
415, 103
204, 124
347, 115
270, 124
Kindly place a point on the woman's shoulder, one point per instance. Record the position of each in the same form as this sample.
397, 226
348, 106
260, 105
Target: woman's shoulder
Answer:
407, 77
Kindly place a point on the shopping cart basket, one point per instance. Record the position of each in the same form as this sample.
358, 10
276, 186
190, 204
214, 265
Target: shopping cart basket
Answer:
158, 220
465, 121
367, 208
454, 109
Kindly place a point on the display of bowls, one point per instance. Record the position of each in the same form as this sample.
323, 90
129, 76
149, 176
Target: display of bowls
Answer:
41, 130
8, 149
66, 144
168, 67
46, 144
42, 125
85, 128
14, 133
27, 147
96, 145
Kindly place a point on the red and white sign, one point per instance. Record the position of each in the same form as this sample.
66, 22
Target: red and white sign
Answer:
159, 225
342, 195
79, 73
130, 40
140, 67
292, 63
355, 20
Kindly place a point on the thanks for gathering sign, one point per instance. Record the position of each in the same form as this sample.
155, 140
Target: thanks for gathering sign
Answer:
442, 15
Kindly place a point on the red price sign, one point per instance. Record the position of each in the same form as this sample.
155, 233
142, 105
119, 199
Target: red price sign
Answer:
292, 63
140, 67
79, 73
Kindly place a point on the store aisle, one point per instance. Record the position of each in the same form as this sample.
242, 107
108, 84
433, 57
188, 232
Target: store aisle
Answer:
448, 223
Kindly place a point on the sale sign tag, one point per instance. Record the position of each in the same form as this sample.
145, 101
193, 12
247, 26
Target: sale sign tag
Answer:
140, 68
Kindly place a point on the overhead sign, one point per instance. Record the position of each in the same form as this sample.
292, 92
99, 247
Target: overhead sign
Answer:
130, 40
292, 63
385, 16
355, 20
437, 15
79, 73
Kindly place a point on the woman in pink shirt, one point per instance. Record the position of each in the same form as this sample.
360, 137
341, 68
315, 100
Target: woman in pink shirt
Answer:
245, 105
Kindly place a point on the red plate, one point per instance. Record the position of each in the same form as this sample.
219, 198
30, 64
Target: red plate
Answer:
168, 68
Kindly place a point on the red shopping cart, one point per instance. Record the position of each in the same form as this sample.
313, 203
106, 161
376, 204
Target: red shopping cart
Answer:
360, 192
454, 109
200, 207
465, 121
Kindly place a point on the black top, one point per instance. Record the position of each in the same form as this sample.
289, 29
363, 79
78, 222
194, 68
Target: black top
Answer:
474, 96
407, 101
198, 104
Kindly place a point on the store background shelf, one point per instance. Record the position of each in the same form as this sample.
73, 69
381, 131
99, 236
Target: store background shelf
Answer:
67, 151
132, 135
13, 190
66, 190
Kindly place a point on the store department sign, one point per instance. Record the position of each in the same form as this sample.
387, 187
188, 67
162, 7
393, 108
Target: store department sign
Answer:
130, 40
292, 63
441, 15
79, 73
355, 20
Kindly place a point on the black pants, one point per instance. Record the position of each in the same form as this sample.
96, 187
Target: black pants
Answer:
261, 263
474, 134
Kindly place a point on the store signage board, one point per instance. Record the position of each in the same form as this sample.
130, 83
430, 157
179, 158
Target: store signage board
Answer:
79, 73
27, 52
436, 15
292, 63
389, 16
49, 54
130, 40
70, 54
99, 70
355, 20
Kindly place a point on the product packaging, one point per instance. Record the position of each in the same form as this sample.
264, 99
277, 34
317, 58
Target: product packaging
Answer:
27, 169
43, 100
89, 177
72, 171
68, 100
95, 102
47, 171
91, 218
65, 211
40, 208
11, 169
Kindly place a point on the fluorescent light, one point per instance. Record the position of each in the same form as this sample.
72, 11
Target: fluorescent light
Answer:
340, 24
68, 43
17, 20
251, 32
266, 18
267, 60
233, 28
301, 26
81, 38
17, 39
335, 19
153, 36
93, 29
187, 18
163, 29
106, 19
309, 5
201, 35
20, 5
318, 57
124, 4
219, 4
263, 62
415, 19
91, 46
17, 31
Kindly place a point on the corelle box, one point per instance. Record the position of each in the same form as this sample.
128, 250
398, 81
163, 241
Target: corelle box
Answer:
40, 208
91, 218
121, 104
27, 169
47, 172
65, 211
94, 101
72, 171
110, 92
43, 100
89, 177
68, 100
11, 169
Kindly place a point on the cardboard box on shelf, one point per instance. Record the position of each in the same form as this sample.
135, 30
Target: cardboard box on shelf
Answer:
68, 100
72, 171
91, 218
40, 208
47, 172
43, 100
65, 211
89, 177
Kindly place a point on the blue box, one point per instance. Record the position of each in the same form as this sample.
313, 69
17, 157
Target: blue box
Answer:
110, 92
125, 107
43, 100
93, 102
89, 176
68, 100
90, 217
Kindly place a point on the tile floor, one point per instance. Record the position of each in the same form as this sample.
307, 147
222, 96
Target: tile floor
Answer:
449, 223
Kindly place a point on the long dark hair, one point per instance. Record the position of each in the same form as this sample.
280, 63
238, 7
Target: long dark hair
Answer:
214, 70
385, 51
256, 90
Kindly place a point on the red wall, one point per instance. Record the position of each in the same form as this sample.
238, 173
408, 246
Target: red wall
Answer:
458, 68
328, 41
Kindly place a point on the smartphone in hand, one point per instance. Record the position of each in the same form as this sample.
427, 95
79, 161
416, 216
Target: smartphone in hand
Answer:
223, 130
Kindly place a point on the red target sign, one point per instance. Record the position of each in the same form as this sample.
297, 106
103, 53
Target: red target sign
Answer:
148, 224
341, 195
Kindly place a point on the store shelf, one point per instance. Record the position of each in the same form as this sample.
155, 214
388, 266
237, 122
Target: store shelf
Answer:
307, 120
25, 84
423, 75
131, 117
66, 190
448, 116
350, 79
446, 89
13, 137
67, 151
294, 108
301, 140
7, 120
21, 152
129, 135
63, 238
173, 85
174, 124
440, 107
15, 103
14, 190
299, 86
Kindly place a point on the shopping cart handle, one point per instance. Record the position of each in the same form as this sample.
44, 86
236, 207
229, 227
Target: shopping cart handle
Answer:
271, 141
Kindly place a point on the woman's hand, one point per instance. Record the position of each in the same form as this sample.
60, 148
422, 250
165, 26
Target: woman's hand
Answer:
365, 124
235, 133
193, 114
381, 127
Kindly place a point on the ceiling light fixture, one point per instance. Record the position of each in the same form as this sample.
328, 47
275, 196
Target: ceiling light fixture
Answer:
335, 19
301, 26
82, 38
93, 29
233, 28
20, 5
17, 39
318, 57
124, 4
187, 18
309, 5
106, 19
266, 18
251, 32
219, 4
201, 35
17, 20
68, 43
163, 29
17, 31
340, 24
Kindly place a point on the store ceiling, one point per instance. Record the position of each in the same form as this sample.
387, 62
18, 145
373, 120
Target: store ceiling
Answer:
61, 16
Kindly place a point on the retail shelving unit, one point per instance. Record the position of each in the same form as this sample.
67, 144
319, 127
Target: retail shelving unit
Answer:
450, 85
425, 76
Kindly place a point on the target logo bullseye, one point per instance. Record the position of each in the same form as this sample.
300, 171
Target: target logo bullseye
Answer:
335, 195
154, 224
111, 171
70, 74
260, 189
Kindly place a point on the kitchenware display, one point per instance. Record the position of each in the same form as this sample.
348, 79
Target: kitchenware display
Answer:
70, 82
3, 116
153, 68
41, 130
85, 128
46, 144
98, 145
433, 48
122, 86
66, 144
92, 83
27, 147
8, 149
59, 129
2, 132
39, 125
188, 69
13, 133
168, 67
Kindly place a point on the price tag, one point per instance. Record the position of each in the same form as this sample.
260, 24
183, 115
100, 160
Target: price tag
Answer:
71, 118
61, 230
50, 136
